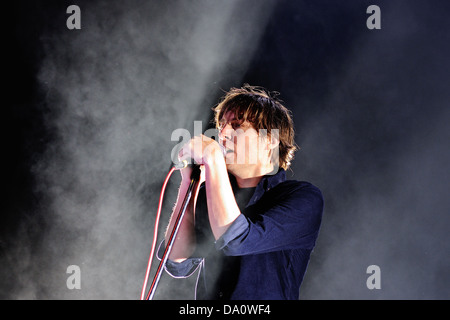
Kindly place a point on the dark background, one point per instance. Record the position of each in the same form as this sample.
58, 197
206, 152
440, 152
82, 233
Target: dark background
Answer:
89, 113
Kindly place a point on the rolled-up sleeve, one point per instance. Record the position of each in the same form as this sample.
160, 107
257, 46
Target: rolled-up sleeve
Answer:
179, 269
235, 231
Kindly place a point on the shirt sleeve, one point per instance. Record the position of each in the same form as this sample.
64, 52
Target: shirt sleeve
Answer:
293, 222
179, 269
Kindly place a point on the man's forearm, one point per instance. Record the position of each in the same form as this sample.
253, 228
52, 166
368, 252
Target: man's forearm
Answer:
184, 244
222, 207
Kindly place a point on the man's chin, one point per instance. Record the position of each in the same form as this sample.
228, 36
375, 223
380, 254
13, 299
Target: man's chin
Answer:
232, 167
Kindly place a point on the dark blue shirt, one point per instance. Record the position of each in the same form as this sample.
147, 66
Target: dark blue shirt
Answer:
265, 252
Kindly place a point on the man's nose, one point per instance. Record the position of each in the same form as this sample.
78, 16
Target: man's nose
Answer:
226, 132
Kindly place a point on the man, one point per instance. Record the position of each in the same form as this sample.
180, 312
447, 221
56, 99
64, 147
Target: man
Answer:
248, 229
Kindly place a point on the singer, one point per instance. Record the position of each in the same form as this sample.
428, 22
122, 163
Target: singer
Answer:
248, 231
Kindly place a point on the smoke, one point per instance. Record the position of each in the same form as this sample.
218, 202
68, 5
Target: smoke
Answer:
116, 89
382, 140
371, 109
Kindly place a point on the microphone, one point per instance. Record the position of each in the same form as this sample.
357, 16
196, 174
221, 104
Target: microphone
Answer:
180, 165
195, 174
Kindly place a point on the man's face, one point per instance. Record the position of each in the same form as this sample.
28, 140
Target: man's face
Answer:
244, 146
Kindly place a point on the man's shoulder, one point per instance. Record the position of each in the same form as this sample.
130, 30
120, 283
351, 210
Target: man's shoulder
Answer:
299, 186
301, 190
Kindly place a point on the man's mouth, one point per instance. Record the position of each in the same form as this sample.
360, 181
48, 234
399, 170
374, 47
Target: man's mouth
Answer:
225, 150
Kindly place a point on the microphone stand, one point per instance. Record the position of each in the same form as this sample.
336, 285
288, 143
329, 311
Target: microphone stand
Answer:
195, 177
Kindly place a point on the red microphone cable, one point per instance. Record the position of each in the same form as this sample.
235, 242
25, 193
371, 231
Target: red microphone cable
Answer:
155, 232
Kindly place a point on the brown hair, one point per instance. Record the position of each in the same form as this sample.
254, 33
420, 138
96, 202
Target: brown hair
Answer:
264, 111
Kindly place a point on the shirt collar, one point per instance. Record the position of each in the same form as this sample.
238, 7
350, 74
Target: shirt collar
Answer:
267, 183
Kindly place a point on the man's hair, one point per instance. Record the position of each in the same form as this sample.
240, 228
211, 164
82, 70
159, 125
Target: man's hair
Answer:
264, 111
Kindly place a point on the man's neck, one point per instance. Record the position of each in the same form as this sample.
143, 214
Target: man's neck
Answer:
248, 182
249, 179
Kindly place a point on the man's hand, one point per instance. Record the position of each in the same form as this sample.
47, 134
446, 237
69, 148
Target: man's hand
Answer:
201, 149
